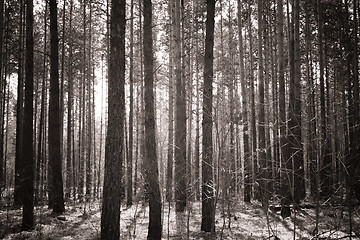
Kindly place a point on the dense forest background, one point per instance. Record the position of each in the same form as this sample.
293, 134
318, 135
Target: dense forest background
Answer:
176, 103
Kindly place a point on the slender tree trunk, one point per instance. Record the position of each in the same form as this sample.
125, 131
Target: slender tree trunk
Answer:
19, 116
295, 107
151, 165
208, 206
324, 157
170, 157
55, 161
114, 149
252, 107
2, 177
40, 167
69, 149
285, 186
180, 123
28, 221
244, 86
262, 144
62, 79
131, 113
355, 115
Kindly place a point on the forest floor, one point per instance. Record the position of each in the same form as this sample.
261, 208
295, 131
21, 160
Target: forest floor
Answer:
247, 221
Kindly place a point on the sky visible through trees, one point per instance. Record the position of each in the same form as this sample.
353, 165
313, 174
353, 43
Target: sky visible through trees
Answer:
198, 119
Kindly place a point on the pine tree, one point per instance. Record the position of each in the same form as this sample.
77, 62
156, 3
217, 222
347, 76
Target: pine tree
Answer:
208, 205
28, 221
114, 148
55, 161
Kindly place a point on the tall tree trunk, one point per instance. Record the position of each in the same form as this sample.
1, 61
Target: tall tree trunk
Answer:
150, 161
69, 148
2, 178
354, 170
114, 149
62, 79
325, 158
131, 113
262, 144
55, 160
180, 122
284, 155
39, 166
295, 108
244, 105
170, 157
89, 113
19, 115
208, 205
252, 106
28, 151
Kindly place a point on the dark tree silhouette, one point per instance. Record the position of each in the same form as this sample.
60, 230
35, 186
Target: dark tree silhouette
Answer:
28, 151
208, 205
55, 161
151, 165
114, 148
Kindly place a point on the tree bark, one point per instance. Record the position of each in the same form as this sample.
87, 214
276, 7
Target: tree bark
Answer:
150, 161
131, 113
69, 149
1, 82
114, 149
19, 115
170, 155
180, 123
295, 108
208, 207
28, 151
244, 105
39, 165
262, 144
55, 161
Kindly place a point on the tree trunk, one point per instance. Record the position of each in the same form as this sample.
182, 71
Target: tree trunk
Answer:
40, 167
69, 148
180, 123
295, 108
19, 116
150, 161
325, 158
114, 149
244, 105
131, 113
208, 207
262, 144
284, 152
354, 112
55, 160
2, 178
252, 107
89, 111
170, 157
27, 150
